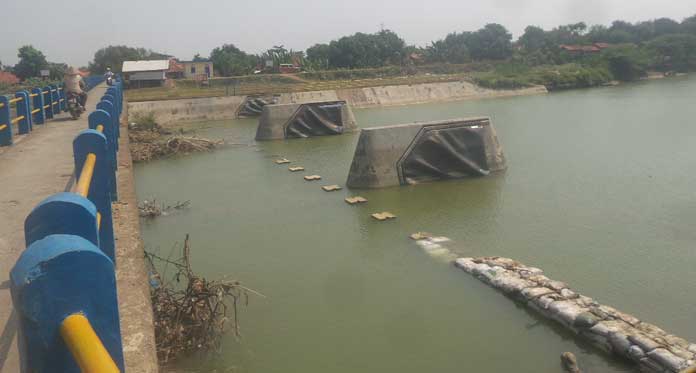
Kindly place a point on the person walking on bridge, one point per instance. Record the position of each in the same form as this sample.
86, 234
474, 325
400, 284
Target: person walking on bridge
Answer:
74, 84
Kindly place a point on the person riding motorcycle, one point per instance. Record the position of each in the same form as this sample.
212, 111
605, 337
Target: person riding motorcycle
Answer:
75, 85
108, 76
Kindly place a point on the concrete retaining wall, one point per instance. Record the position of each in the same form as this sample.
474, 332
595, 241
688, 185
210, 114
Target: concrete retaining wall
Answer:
613, 331
194, 109
169, 111
380, 149
423, 93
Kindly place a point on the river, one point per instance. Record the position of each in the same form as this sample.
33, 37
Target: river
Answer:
599, 192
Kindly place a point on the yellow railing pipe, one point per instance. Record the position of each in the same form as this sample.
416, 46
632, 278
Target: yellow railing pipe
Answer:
86, 174
33, 94
2, 127
100, 127
35, 111
16, 99
86, 347
17, 119
2, 104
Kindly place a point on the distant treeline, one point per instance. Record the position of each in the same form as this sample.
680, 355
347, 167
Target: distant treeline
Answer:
633, 49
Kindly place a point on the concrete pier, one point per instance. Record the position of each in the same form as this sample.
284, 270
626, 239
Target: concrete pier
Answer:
426, 151
305, 120
649, 347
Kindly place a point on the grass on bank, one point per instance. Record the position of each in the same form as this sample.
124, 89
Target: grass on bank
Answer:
189, 89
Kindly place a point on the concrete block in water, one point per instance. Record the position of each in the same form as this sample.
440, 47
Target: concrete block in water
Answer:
305, 120
420, 152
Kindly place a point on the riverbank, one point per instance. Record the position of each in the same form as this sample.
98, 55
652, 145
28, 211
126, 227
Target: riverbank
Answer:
217, 108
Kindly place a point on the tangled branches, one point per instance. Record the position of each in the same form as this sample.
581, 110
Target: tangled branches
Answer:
190, 312
150, 209
148, 147
149, 140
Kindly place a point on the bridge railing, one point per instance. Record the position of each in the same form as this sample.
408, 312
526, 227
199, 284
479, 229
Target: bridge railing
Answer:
64, 284
33, 107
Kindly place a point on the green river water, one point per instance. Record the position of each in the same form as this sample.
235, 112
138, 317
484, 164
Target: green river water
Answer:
600, 192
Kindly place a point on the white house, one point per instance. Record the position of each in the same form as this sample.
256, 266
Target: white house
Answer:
139, 74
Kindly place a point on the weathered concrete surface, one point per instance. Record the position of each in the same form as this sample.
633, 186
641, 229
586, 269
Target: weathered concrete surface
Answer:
624, 335
380, 149
193, 109
37, 166
428, 92
274, 119
135, 309
168, 111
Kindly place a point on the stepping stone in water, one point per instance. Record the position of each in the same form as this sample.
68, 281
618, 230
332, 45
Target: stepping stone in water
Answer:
355, 200
420, 236
381, 216
295, 169
312, 177
282, 161
331, 188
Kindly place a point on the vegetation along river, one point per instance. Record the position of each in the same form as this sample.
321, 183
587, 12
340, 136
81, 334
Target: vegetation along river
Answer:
599, 193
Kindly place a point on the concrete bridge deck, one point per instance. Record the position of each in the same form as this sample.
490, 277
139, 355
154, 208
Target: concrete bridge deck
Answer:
40, 164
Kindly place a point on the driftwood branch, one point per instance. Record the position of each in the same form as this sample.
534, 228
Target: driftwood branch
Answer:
191, 312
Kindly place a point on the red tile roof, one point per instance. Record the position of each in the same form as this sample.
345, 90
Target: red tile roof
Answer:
8, 78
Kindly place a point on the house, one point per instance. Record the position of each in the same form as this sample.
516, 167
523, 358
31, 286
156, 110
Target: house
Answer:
8, 78
199, 70
140, 74
577, 49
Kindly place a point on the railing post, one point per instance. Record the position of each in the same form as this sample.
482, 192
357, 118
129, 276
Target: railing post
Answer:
116, 117
108, 106
23, 109
38, 103
55, 277
102, 117
55, 101
62, 213
61, 97
6, 130
91, 141
48, 102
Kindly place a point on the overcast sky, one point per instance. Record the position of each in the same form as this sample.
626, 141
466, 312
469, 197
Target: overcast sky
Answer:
73, 30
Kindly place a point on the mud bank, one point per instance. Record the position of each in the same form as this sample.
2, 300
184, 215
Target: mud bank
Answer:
214, 108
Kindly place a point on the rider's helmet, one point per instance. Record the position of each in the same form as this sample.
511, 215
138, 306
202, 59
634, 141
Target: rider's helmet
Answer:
108, 69
72, 71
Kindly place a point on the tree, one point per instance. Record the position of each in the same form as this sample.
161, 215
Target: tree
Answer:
534, 38
688, 25
675, 52
362, 50
114, 55
31, 62
230, 60
491, 42
626, 63
318, 56
452, 49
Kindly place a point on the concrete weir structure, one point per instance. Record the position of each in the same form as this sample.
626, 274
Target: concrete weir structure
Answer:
305, 120
425, 151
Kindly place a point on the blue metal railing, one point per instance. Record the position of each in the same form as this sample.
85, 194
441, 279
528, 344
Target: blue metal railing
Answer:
64, 284
34, 106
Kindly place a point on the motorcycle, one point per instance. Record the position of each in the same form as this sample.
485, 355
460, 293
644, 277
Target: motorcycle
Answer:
74, 106
110, 81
